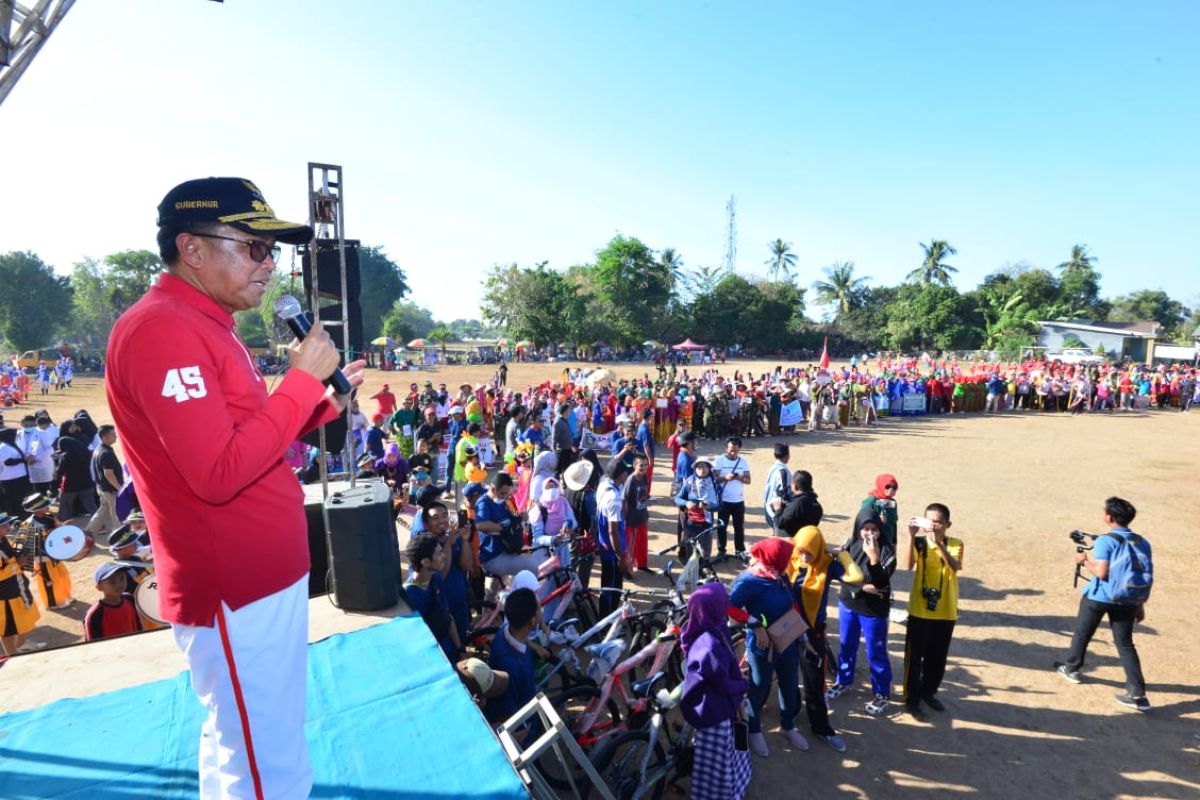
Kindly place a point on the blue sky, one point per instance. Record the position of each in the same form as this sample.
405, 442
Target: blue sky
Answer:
477, 133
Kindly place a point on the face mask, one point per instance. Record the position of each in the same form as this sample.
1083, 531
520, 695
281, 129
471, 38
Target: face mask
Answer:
551, 494
420, 475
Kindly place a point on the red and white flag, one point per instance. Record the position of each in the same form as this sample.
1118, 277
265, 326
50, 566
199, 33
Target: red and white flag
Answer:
825, 354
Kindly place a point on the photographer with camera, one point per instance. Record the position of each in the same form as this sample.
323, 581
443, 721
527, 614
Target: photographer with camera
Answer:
1122, 574
932, 605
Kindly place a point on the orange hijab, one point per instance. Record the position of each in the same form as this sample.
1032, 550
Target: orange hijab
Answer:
809, 539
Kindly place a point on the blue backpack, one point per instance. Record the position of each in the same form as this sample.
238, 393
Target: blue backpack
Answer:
1130, 572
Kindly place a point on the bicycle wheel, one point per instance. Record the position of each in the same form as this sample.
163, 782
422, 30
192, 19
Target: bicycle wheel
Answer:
573, 706
619, 762
647, 628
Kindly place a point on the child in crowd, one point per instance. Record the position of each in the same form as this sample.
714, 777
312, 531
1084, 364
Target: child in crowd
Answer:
114, 613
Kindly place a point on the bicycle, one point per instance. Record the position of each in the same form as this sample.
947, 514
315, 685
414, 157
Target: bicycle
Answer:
697, 567
635, 764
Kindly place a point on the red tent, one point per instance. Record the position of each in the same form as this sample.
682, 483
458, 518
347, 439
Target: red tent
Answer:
688, 344
825, 354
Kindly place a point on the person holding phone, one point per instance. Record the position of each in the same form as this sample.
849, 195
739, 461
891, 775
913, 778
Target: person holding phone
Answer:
932, 607
863, 611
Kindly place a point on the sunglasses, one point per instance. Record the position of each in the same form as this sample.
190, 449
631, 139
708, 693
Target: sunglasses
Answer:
258, 250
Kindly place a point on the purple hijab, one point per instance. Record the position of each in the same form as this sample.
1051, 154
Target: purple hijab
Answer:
707, 609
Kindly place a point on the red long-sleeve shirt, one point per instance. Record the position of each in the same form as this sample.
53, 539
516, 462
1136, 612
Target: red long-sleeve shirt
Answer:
205, 446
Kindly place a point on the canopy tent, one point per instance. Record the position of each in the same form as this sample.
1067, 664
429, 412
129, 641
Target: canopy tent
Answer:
688, 344
418, 343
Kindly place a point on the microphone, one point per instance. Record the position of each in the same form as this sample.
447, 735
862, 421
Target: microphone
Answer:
288, 309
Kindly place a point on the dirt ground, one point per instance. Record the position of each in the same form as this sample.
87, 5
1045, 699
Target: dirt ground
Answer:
1016, 485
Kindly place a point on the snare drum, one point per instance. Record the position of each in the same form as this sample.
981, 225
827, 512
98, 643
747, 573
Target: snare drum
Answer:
68, 543
145, 597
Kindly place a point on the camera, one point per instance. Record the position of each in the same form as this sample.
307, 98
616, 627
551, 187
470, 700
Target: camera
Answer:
1083, 542
932, 596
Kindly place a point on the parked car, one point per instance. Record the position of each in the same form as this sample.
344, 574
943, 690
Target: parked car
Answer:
1076, 355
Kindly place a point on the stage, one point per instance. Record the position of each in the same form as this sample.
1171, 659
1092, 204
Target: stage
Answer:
387, 718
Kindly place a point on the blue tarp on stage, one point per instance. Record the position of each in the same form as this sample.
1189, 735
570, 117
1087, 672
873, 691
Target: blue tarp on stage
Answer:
387, 718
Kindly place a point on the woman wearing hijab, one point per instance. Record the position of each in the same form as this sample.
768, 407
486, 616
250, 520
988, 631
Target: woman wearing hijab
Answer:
713, 691
809, 571
882, 501
543, 468
864, 610
763, 595
552, 515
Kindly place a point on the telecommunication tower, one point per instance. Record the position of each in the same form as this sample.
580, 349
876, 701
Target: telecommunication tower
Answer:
34, 26
731, 236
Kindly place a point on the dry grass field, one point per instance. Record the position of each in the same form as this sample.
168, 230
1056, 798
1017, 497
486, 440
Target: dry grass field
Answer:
1015, 486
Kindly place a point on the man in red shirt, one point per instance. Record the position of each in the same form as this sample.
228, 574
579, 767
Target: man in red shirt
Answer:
387, 401
205, 445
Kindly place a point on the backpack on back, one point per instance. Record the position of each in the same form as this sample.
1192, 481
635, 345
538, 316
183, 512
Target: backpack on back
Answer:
1130, 573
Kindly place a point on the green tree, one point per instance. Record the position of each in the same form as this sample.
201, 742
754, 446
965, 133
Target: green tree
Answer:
528, 303
842, 287
702, 280
782, 260
93, 313
383, 283
1149, 304
672, 262
1008, 321
934, 268
406, 321
632, 288
762, 316
927, 315
34, 301
129, 275
1079, 293
866, 324
441, 335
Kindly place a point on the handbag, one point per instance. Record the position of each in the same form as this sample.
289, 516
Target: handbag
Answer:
786, 630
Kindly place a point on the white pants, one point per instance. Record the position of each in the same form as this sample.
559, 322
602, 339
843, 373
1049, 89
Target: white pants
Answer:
250, 671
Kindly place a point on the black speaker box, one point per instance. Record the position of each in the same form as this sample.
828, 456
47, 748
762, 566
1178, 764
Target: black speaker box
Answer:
364, 553
329, 270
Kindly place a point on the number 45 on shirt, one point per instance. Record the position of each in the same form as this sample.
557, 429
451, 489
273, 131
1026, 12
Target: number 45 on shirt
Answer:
184, 384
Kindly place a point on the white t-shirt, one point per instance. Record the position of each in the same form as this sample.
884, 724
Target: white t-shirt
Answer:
735, 490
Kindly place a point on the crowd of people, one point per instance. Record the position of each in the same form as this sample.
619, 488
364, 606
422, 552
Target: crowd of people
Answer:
59, 490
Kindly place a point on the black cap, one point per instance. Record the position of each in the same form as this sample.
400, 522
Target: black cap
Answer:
229, 201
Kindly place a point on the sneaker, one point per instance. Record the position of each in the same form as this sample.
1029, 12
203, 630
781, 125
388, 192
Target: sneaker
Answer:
935, 704
914, 710
31, 647
1136, 703
1069, 675
743, 557
898, 616
796, 739
758, 745
835, 691
834, 741
878, 705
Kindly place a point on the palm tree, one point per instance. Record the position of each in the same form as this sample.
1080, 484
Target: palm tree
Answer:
702, 280
672, 262
841, 287
933, 269
441, 334
782, 260
1080, 259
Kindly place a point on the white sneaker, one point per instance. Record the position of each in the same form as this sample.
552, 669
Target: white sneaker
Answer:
759, 745
796, 739
898, 616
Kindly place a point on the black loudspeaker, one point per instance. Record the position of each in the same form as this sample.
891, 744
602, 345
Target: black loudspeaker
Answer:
335, 435
364, 553
318, 548
329, 270
333, 313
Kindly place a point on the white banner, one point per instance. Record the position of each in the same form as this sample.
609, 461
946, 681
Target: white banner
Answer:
791, 414
595, 441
